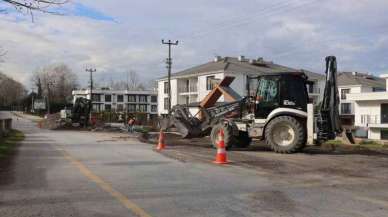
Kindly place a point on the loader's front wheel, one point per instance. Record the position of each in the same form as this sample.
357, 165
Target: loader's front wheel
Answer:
229, 139
243, 140
285, 134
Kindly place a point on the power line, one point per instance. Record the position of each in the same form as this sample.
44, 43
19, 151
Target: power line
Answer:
266, 12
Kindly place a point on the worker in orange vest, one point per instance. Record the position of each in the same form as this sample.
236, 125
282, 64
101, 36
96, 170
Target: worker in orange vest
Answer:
131, 123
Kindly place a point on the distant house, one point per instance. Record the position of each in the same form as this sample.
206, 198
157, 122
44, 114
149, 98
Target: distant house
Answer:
131, 102
371, 112
193, 84
355, 82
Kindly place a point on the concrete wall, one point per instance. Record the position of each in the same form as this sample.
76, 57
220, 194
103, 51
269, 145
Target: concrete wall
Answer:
371, 108
5, 126
374, 133
162, 95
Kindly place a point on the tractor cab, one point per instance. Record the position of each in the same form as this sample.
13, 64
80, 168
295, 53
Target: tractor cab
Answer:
272, 91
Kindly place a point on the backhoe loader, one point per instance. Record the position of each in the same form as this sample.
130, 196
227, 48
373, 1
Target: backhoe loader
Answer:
276, 109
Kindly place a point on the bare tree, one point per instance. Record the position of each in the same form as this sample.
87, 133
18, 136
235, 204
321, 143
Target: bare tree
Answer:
11, 91
56, 82
134, 81
29, 6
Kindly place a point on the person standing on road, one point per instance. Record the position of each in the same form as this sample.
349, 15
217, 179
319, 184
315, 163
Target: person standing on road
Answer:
131, 123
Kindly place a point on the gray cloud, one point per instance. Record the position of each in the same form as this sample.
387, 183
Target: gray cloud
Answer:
298, 33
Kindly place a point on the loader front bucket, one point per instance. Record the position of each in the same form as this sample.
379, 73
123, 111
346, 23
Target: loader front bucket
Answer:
185, 128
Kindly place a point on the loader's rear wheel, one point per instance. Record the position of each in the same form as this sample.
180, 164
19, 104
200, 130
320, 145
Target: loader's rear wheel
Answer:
229, 139
285, 134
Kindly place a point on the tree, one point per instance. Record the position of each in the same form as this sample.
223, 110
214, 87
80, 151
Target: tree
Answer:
29, 6
35, 5
133, 83
11, 91
56, 82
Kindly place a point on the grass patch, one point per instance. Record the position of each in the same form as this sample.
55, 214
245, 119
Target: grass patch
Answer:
334, 142
372, 144
8, 143
142, 129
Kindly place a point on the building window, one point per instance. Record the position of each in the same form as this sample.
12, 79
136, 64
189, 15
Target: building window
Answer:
131, 108
154, 108
378, 89
108, 98
344, 92
187, 86
131, 98
165, 87
96, 98
96, 107
120, 107
154, 99
142, 98
209, 82
142, 107
108, 107
346, 108
166, 103
120, 98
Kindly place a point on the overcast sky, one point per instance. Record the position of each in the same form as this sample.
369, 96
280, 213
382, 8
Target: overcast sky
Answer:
116, 36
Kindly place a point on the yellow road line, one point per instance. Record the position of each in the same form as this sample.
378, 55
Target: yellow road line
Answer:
106, 186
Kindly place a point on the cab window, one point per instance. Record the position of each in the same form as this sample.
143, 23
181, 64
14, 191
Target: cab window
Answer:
267, 90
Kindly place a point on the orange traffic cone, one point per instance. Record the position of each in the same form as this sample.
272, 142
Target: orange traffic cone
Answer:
161, 144
221, 151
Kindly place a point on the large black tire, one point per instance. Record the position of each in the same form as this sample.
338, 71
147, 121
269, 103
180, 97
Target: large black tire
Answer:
229, 139
243, 140
285, 134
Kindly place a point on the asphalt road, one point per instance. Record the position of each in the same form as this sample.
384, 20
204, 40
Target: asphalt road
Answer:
66, 173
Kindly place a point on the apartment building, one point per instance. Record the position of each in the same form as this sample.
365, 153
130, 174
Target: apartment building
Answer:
192, 85
371, 112
354, 83
145, 102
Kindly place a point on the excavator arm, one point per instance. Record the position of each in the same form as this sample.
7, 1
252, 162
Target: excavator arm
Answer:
328, 123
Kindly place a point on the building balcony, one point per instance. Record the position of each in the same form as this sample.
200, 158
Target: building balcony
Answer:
191, 90
373, 121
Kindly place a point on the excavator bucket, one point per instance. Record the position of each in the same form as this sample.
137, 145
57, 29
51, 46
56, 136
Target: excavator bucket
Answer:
349, 136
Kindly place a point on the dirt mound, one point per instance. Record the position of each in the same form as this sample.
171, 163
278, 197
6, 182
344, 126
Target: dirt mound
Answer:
51, 122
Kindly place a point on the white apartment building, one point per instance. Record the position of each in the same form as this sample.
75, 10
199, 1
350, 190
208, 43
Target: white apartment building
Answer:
354, 83
193, 84
371, 112
145, 102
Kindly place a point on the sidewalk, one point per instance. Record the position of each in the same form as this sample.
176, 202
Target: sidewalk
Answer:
33, 118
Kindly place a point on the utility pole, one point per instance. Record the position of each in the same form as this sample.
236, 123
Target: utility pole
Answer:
49, 83
169, 64
91, 92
